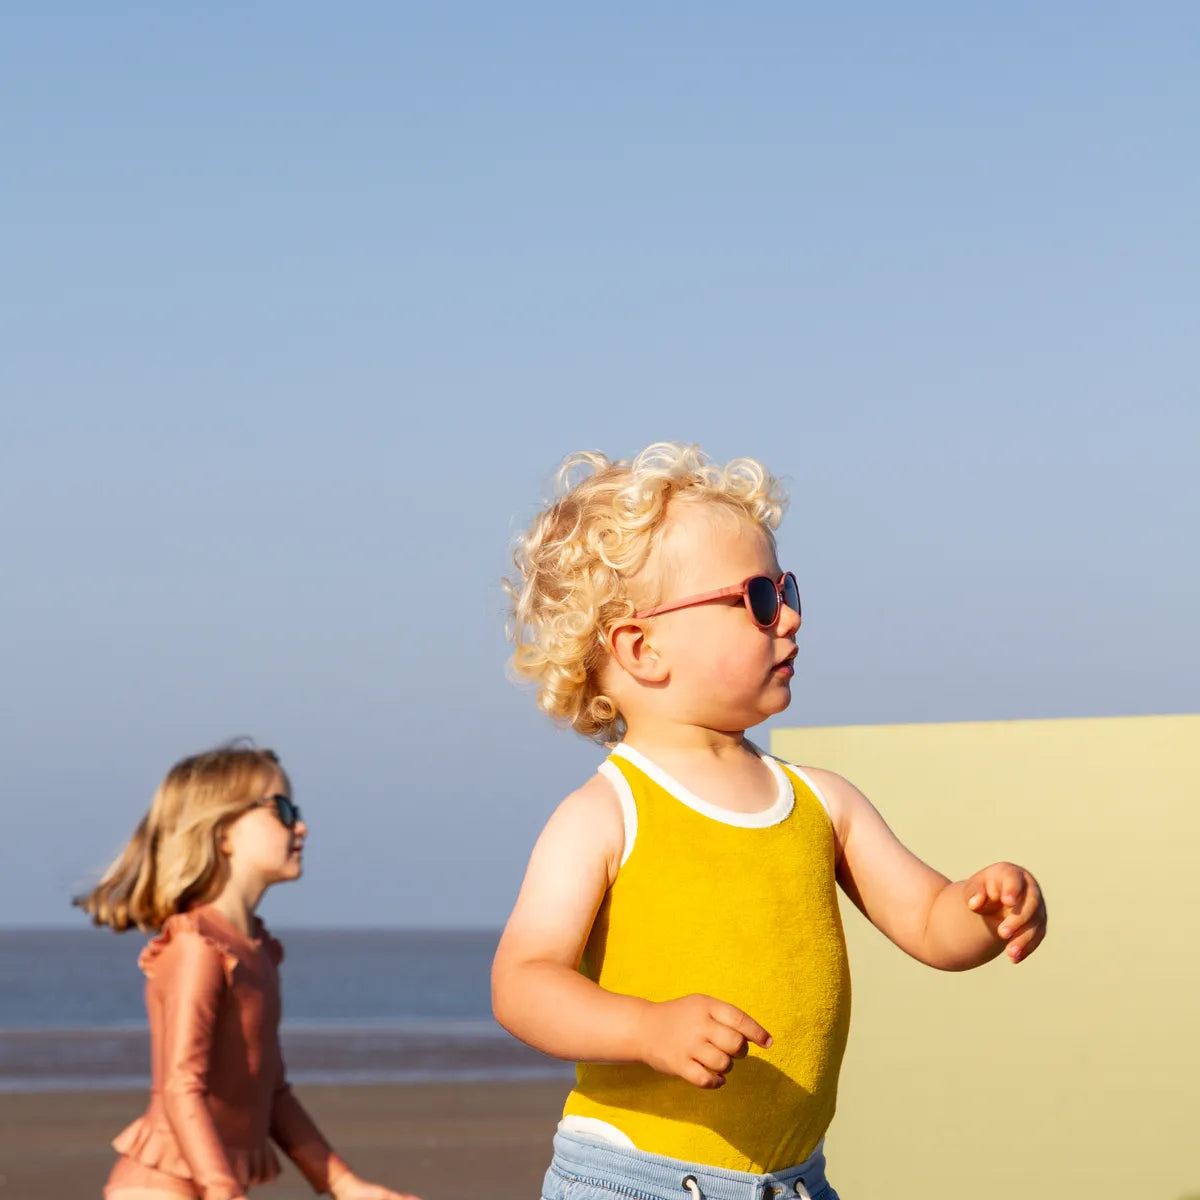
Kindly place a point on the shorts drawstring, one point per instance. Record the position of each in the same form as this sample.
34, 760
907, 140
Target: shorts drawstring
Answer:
690, 1185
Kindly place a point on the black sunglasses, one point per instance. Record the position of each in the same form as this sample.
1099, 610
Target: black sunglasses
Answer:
286, 809
762, 595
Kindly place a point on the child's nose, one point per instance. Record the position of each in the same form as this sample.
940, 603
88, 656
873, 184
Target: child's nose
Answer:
300, 829
789, 621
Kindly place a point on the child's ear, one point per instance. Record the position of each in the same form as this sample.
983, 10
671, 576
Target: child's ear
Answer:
636, 655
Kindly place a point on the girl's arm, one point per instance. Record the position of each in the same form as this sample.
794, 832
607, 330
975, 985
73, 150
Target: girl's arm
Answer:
950, 925
297, 1133
189, 976
538, 993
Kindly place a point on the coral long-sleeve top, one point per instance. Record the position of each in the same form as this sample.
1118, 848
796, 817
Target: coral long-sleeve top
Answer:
219, 1092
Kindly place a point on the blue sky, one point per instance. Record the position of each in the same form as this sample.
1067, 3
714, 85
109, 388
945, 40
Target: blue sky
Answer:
301, 309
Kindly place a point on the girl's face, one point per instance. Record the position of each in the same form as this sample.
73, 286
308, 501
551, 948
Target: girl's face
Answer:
725, 673
260, 848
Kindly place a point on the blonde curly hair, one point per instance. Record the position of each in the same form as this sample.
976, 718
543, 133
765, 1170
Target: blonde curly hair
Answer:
575, 563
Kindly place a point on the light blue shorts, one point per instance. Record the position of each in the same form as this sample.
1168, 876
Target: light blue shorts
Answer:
586, 1169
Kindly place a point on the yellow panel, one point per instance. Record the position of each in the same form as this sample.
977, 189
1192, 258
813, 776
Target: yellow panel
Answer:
1076, 1073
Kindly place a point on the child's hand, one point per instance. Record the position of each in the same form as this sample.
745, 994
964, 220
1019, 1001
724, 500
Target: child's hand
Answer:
698, 1037
350, 1187
1011, 898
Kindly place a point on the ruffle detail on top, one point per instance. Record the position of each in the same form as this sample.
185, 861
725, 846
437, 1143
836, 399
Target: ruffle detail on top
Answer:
185, 922
154, 1146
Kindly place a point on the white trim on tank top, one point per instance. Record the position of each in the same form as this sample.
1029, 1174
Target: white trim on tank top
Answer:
778, 811
812, 787
628, 806
769, 816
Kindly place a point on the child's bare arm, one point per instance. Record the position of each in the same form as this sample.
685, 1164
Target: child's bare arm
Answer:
296, 1132
538, 993
950, 925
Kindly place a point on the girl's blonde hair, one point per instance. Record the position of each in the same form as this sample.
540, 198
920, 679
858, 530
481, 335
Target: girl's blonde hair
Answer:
174, 859
574, 564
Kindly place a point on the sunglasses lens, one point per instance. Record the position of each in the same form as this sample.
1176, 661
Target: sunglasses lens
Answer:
763, 599
286, 811
791, 592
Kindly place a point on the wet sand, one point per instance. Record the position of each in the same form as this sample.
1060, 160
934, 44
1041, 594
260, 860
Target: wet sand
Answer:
440, 1141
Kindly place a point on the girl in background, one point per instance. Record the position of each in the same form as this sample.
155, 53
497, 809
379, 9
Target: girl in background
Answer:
222, 828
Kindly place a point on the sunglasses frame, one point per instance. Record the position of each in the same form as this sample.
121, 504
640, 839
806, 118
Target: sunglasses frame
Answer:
741, 589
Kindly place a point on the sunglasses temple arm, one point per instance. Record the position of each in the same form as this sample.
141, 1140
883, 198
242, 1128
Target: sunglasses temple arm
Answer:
687, 601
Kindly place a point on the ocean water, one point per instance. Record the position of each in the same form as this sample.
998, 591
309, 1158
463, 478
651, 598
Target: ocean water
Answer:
359, 1006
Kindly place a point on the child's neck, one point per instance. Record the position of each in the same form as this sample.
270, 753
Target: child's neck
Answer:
720, 767
237, 904
653, 737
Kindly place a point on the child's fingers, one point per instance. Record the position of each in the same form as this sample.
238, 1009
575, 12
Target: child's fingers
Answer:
714, 1058
745, 1024
998, 886
981, 902
1013, 888
1030, 909
1024, 944
1024, 934
1034, 904
700, 1076
998, 881
983, 895
728, 1039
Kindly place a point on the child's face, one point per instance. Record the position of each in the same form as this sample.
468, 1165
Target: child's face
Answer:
724, 672
260, 847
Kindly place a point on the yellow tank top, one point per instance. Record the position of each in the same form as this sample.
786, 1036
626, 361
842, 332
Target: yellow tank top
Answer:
741, 906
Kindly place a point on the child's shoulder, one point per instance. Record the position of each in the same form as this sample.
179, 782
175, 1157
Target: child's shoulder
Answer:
589, 823
596, 803
822, 783
837, 795
201, 940
187, 942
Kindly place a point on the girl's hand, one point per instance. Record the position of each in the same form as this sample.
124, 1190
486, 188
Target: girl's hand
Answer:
1010, 899
350, 1187
698, 1037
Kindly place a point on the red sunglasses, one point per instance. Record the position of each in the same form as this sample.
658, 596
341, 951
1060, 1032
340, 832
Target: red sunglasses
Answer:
762, 595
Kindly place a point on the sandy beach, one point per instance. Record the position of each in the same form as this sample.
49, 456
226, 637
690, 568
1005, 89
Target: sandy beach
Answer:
440, 1141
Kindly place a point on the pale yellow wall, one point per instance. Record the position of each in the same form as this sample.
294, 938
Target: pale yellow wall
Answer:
1077, 1073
